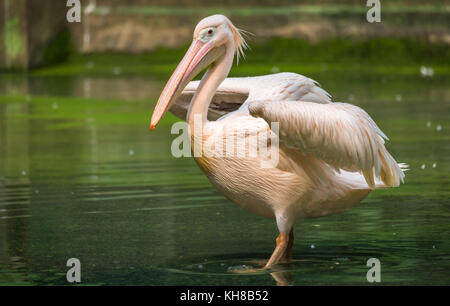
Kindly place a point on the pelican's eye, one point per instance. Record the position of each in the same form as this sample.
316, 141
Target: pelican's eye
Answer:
207, 34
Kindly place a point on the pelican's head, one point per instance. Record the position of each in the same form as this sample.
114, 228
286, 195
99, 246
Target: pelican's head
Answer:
213, 36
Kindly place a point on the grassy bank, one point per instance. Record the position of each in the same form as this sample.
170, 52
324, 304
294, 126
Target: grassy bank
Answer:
389, 65
378, 55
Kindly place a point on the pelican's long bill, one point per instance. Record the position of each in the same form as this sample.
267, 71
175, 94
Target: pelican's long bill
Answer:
198, 56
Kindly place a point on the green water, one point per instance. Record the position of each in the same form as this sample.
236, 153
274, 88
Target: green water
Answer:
81, 176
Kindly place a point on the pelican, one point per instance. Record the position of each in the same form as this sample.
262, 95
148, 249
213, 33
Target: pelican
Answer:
330, 155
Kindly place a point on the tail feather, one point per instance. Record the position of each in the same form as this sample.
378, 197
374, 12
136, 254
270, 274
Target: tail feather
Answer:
359, 181
391, 173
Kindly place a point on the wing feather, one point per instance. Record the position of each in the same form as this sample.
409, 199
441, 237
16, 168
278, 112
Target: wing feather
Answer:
233, 92
343, 135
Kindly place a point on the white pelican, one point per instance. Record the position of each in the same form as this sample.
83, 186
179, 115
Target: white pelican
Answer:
331, 155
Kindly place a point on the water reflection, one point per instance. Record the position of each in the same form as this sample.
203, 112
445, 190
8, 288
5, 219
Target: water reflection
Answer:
118, 88
15, 195
85, 179
282, 278
126, 89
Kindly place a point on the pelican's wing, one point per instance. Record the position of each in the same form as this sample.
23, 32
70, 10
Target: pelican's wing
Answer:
227, 98
343, 135
233, 92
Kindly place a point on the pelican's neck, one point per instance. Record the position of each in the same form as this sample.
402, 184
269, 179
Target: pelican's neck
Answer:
208, 86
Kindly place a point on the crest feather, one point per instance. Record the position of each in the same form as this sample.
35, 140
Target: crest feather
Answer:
239, 41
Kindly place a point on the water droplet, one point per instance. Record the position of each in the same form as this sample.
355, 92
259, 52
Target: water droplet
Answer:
426, 71
89, 8
55, 105
275, 69
200, 266
240, 268
313, 246
116, 70
131, 152
434, 165
422, 167
24, 172
438, 127
398, 98
428, 124
423, 70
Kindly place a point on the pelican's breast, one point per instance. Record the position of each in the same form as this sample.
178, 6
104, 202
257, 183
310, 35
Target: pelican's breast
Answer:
243, 178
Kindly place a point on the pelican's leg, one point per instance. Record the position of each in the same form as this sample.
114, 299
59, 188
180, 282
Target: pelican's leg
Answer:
287, 256
282, 243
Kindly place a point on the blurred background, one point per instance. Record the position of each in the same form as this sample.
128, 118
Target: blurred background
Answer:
38, 33
81, 175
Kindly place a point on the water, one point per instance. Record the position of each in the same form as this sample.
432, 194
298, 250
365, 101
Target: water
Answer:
82, 177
